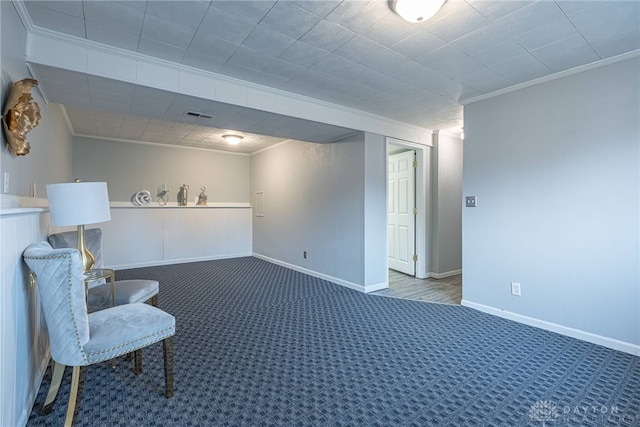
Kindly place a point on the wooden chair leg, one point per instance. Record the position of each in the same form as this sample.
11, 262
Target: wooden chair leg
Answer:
75, 380
137, 355
167, 347
56, 378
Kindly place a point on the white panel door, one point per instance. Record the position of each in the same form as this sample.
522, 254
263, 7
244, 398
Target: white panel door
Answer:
401, 204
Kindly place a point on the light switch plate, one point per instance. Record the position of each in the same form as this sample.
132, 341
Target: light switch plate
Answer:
5, 182
471, 201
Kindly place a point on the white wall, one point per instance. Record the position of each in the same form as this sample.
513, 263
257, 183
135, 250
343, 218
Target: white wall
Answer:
23, 337
556, 171
375, 213
314, 201
50, 156
446, 205
128, 168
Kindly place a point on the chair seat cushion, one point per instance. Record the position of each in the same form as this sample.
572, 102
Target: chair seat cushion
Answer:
126, 328
127, 292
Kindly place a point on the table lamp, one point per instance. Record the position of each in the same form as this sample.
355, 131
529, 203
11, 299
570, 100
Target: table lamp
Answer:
79, 203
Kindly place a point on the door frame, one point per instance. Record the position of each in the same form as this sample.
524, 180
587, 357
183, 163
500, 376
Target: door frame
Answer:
423, 189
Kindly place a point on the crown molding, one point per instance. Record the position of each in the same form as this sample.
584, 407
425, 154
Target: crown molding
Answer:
23, 14
555, 76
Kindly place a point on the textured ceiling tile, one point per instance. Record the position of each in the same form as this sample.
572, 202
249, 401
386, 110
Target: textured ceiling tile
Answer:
167, 32
207, 45
442, 58
482, 80
358, 15
185, 13
318, 7
370, 77
493, 9
408, 71
623, 43
252, 11
498, 53
73, 8
55, 20
360, 49
267, 41
623, 26
455, 69
484, 38
530, 18
545, 34
249, 58
224, 25
289, 19
390, 30
328, 35
160, 50
238, 72
376, 70
334, 64
109, 36
460, 19
565, 54
284, 69
303, 54
117, 15
521, 68
418, 44
202, 62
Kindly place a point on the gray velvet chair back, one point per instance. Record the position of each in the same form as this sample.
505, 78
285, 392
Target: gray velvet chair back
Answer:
69, 239
58, 275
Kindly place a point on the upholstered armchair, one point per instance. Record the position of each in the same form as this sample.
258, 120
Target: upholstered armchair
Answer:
78, 338
126, 291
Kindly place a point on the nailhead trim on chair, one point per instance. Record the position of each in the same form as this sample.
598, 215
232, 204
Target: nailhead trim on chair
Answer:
161, 332
69, 298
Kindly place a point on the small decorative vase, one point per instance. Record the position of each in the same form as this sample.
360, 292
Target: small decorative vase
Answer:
183, 195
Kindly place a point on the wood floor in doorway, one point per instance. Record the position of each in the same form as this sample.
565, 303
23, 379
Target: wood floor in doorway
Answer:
447, 290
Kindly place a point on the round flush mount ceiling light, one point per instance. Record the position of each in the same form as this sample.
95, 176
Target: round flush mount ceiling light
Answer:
417, 10
232, 139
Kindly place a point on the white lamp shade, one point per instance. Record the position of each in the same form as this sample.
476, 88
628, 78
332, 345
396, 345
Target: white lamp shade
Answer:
78, 203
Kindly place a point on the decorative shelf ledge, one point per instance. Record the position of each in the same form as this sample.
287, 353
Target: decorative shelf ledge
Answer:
174, 205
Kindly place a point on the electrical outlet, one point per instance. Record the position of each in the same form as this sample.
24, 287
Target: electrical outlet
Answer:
471, 201
516, 289
304, 254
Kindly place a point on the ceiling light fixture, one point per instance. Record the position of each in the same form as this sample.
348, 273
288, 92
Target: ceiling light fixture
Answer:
232, 139
417, 10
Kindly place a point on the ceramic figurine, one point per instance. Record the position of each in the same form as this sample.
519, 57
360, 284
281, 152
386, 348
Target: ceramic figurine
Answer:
202, 198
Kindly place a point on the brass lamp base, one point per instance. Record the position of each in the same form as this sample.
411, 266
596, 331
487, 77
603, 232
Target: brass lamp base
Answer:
87, 257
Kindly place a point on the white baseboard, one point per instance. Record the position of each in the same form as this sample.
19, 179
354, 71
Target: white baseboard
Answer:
560, 329
376, 287
445, 274
326, 277
177, 261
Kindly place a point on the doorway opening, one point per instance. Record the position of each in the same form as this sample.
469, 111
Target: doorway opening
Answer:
407, 207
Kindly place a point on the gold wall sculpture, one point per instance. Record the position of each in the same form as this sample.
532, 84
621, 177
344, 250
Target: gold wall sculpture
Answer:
20, 115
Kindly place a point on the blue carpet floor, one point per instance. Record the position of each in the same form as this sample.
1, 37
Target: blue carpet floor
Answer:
260, 345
